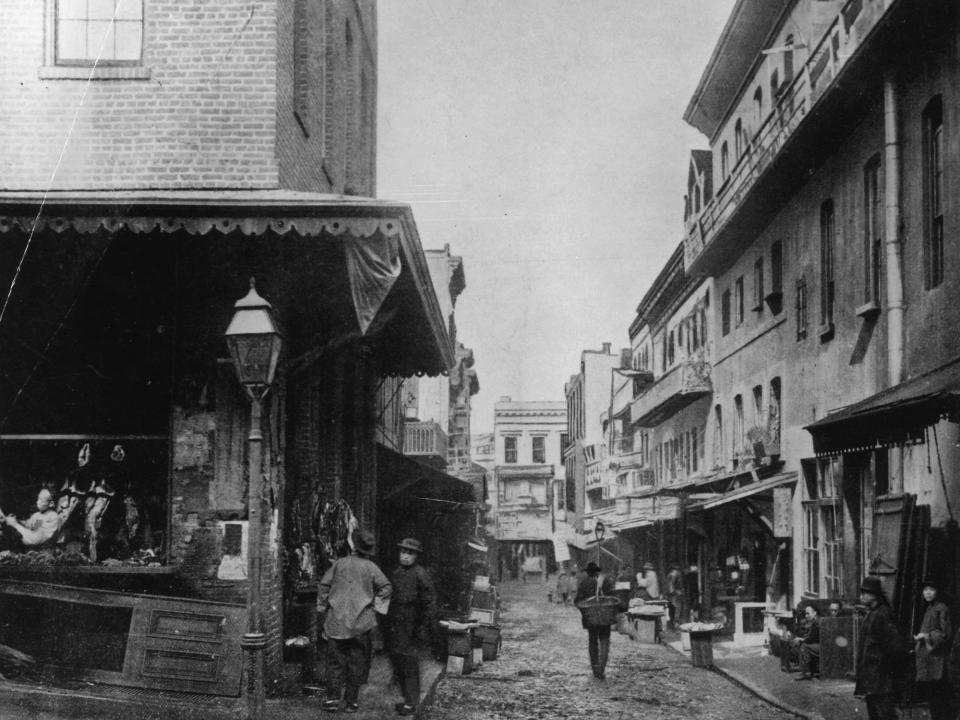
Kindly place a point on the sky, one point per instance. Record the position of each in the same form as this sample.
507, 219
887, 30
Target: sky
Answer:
544, 141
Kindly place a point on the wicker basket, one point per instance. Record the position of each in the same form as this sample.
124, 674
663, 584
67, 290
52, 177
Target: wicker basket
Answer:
599, 610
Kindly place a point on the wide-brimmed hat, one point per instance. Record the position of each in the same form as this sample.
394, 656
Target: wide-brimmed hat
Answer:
648, 566
871, 585
363, 542
592, 568
930, 582
411, 545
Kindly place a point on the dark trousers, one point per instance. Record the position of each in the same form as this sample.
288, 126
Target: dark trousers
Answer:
809, 652
937, 695
598, 645
406, 671
881, 707
347, 666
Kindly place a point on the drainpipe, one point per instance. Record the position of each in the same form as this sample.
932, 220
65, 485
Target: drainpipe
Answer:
894, 257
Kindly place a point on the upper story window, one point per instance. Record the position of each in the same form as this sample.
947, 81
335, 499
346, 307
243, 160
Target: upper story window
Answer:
539, 449
788, 60
758, 108
738, 136
98, 32
725, 312
758, 284
802, 321
510, 449
827, 242
776, 270
724, 160
933, 189
738, 301
872, 224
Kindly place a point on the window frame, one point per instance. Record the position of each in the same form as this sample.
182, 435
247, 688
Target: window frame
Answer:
828, 241
802, 308
91, 62
758, 290
872, 229
738, 302
540, 440
725, 312
933, 187
510, 449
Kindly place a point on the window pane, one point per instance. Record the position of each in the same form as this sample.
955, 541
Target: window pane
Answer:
100, 40
101, 9
71, 9
129, 9
129, 36
71, 40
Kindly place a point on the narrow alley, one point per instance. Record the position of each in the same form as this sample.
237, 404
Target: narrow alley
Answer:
543, 672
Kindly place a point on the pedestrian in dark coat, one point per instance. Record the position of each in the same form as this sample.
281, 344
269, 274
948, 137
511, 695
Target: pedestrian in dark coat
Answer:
598, 638
881, 653
932, 646
350, 593
411, 622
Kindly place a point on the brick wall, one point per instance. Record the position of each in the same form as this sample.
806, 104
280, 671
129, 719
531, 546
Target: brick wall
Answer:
326, 95
205, 117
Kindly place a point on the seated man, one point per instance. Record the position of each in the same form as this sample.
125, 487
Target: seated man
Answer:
41, 527
809, 642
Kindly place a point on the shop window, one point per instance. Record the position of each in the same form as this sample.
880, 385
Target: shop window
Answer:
872, 230
510, 449
933, 189
98, 32
539, 449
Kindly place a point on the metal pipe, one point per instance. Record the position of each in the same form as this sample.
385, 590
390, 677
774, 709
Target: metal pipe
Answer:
892, 245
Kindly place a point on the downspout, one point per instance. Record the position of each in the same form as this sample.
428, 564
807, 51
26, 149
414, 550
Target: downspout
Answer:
894, 258
892, 246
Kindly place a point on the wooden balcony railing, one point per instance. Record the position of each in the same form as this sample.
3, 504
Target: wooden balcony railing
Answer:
424, 439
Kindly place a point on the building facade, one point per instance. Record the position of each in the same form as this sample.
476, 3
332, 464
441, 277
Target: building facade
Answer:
814, 267
528, 436
161, 155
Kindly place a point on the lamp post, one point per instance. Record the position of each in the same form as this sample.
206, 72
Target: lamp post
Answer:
254, 343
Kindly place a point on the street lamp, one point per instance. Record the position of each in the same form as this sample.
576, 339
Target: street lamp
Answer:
254, 343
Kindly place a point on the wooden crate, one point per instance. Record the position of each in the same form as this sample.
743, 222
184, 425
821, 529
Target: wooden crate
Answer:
460, 642
701, 649
457, 665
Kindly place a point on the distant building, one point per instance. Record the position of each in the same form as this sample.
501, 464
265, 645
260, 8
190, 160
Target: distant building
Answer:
527, 474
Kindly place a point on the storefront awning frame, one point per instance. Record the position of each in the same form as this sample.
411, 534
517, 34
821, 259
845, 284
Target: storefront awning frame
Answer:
746, 491
895, 416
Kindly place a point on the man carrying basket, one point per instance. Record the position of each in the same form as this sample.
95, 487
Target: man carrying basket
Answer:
598, 608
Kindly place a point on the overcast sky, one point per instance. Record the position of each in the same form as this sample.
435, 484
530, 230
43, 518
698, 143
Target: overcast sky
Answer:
544, 141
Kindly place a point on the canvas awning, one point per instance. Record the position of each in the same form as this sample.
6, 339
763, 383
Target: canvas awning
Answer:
895, 416
402, 477
337, 266
745, 491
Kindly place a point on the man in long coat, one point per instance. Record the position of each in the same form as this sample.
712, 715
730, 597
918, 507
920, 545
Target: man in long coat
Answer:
411, 622
881, 657
348, 594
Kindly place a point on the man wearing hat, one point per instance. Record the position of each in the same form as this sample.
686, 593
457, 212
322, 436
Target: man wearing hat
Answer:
349, 593
880, 654
598, 638
411, 622
932, 648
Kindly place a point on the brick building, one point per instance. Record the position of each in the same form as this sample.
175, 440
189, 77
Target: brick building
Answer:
159, 155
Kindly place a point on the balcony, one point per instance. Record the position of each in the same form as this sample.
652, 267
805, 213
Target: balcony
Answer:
710, 238
683, 384
425, 440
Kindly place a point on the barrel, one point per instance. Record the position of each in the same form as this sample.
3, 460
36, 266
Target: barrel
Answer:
701, 648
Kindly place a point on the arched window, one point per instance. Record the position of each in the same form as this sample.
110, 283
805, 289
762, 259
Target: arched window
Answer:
724, 160
774, 85
738, 138
757, 109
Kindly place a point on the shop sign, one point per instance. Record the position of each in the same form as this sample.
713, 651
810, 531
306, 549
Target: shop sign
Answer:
782, 515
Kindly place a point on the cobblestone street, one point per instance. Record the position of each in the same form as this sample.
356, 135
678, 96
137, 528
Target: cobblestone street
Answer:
543, 672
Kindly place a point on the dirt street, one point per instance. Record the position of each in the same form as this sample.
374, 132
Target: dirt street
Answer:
543, 672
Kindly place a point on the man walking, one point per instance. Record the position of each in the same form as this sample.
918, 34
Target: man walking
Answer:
598, 638
411, 622
348, 593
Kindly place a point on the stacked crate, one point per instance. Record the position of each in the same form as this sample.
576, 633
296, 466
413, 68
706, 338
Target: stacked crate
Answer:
460, 650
